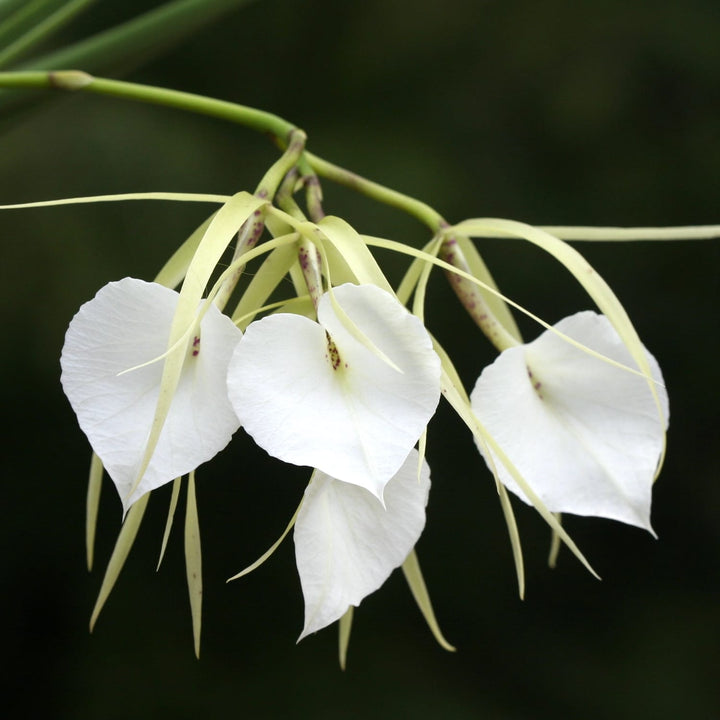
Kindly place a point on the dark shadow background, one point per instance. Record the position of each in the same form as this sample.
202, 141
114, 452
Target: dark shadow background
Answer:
566, 113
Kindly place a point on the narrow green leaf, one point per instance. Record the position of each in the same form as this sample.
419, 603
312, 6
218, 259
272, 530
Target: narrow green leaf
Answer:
8, 7
24, 18
43, 29
140, 39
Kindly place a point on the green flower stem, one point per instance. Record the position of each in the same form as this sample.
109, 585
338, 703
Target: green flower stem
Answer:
281, 131
415, 208
76, 80
42, 30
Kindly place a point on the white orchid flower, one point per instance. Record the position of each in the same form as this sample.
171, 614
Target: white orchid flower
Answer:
349, 395
347, 543
112, 383
586, 435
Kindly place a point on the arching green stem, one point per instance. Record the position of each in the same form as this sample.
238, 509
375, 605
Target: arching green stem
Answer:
281, 132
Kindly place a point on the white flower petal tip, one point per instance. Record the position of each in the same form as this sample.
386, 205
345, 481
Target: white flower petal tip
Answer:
126, 325
315, 394
347, 544
585, 435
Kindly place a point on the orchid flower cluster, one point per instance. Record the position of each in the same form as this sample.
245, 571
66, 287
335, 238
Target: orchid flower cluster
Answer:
341, 375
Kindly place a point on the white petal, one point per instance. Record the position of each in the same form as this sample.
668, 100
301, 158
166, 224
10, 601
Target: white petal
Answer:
357, 421
347, 544
584, 434
125, 325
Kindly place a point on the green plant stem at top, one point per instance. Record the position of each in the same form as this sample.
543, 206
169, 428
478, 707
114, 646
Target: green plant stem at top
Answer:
281, 132
40, 31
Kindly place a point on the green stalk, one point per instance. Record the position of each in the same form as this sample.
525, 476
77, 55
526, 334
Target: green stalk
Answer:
258, 120
75, 80
280, 130
387, 196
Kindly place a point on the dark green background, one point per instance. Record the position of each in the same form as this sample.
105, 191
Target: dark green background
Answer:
548, 112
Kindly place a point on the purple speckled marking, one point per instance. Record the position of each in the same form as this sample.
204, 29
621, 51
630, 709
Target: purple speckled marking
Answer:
535, 383
196, 346
333, 355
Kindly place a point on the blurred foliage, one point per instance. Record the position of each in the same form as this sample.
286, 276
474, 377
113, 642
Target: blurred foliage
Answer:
565, 113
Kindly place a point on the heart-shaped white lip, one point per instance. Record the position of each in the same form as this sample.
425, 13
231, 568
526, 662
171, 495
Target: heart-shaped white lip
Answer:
347, 543
312, 393
585, 435
124, 326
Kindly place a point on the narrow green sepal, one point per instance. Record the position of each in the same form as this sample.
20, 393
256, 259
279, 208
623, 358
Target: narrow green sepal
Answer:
413, 575
193, 561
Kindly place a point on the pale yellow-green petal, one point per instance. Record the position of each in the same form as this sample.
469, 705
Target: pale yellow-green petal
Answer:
605, 234
169, 520
353, 249
344, 628
218, 235
554, 544
268, 276
413, 575
122, 197
91, 506
423, 279
412, 274
270, 550
452, 380
123, 544
193, 561
463, 409
514, 534
480, 270
173, 272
